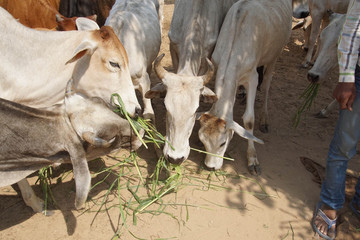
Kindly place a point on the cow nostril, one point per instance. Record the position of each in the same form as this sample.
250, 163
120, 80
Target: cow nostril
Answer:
314, 78
176, 161
304, 14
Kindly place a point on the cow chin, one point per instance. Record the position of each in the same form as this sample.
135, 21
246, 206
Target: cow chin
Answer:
213, 163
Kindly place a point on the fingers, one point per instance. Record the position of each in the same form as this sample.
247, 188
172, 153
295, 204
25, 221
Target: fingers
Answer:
350, 102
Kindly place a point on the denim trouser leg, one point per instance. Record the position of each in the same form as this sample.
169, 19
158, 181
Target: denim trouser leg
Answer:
342, 149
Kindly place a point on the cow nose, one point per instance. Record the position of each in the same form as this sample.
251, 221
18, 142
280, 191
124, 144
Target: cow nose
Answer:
304, 14
176, 161
314, 78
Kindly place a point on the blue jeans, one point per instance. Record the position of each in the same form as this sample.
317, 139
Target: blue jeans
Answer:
342, 149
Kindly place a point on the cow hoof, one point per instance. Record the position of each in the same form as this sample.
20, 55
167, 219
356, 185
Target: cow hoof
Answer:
305, 65
48, 213
320, 115
254, 170
264, 128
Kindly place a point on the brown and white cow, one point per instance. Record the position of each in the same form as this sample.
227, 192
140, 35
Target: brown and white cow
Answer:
193, 34
83, 8
136, 23
250, 37
75, 131
36, 65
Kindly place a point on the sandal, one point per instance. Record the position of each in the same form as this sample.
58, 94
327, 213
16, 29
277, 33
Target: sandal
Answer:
328, 221
355, 211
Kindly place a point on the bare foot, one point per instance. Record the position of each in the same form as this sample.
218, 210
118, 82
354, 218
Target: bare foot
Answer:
323, 219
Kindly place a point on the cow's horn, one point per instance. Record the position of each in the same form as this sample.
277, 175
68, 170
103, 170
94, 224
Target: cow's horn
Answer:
160, 70
242, 132
69, 88
209, 73
96, 141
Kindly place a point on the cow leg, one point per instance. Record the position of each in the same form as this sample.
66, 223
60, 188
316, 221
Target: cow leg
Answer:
144, 86
264, 122
324, 113
324, 23
249, 119
315, 30
29, 196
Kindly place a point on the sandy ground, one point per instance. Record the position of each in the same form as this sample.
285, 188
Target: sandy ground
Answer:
276, 205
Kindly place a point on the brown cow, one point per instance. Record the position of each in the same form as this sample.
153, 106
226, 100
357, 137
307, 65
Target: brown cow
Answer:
33, 13
82, 8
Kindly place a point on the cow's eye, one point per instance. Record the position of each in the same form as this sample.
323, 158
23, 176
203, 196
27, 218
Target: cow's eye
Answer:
114, 64
221, 145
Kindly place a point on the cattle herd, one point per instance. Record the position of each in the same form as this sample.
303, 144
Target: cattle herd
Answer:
56, 81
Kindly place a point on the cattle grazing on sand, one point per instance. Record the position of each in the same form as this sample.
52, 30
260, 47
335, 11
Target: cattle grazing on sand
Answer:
194, 29
193, 34
36, 65
250, 37
75, 131
136, 23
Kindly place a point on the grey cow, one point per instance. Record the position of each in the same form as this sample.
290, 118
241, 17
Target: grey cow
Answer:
79, 129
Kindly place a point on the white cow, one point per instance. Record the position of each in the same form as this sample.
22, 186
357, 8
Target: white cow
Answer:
136, 23
193, 33
327, 56
319, 13
251, 36
36, 65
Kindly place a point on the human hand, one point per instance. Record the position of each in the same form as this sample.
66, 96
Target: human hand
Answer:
345, 93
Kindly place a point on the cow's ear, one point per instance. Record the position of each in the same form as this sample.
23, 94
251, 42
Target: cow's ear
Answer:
208, 96
84, 48
86, 24
158, 91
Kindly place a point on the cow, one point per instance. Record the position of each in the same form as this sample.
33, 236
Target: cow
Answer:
136, 23
82, 8
327, 56
69, 24
75, 131
33, 13
95, 59
250, 37
101, 8
193, 34
319, 12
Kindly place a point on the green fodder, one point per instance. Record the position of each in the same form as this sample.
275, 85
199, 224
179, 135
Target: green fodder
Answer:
308, 97
44, 179
132, 189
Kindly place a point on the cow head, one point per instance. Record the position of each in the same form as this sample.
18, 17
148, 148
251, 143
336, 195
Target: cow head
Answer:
181, 102
215, 134
300, 8
103, 69
76, 23
327, 58
95, 122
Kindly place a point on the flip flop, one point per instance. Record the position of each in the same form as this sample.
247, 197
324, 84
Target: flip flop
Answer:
328, 221
355, 211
